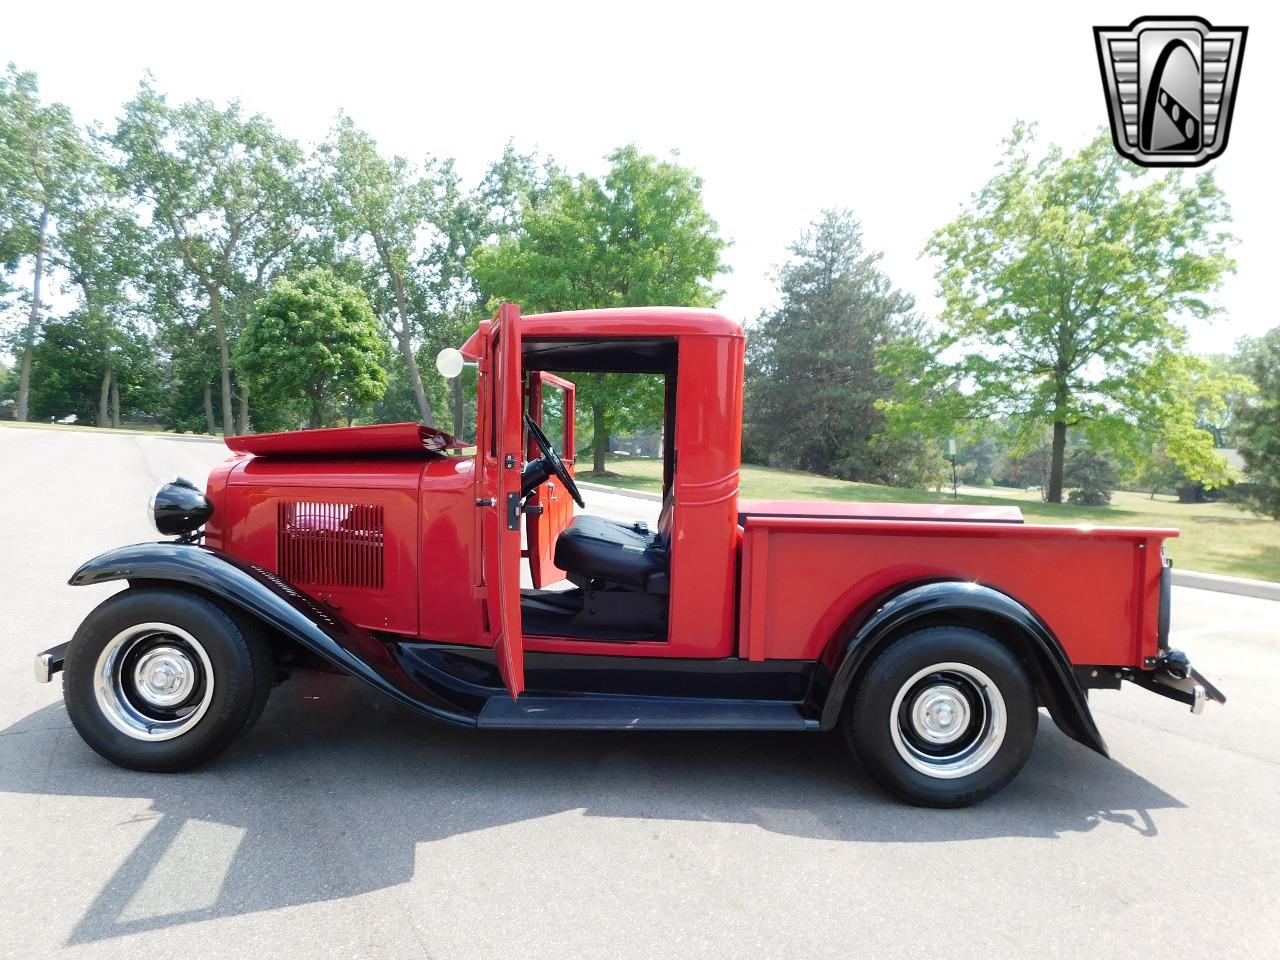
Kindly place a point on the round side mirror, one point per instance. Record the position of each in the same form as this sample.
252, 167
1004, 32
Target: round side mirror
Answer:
450, 362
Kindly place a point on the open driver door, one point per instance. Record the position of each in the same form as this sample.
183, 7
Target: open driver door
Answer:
499, 461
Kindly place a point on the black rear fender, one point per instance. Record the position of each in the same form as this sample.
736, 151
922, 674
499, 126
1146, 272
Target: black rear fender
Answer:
972, 605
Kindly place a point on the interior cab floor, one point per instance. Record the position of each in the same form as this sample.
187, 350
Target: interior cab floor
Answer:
559, 613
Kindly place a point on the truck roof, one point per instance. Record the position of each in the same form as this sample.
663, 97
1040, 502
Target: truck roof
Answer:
631, 322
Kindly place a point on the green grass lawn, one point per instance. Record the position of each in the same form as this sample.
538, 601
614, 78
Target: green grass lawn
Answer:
1216, 537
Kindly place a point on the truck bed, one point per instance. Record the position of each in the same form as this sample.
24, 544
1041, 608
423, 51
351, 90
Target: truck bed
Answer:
805, 577
817, 509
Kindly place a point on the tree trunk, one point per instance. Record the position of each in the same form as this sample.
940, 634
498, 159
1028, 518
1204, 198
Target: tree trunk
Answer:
459, 413
600, 437
315, 422
103, 409
242, 420
115, 401
210, 427
224, 361
33, 319
406, 347
1057, 462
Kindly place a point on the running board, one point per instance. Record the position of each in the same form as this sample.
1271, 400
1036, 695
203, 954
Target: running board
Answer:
639, 713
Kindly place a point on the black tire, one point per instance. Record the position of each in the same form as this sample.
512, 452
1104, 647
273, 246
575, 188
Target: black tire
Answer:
238, 661
894, 737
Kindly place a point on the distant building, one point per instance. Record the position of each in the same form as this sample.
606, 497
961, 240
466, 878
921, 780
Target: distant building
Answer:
1233, 458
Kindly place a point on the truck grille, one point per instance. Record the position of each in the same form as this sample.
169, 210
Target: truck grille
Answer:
328, 544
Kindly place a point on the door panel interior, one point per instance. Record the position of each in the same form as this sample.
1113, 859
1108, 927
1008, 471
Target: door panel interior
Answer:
551, 405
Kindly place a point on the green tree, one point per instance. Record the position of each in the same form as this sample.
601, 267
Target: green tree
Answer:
67, 371
386, 205
1200, 397
1061, 282
313, 339
813, 373
42, 154
1091, 474
1258, 425
100, 248
640, 236
223, 190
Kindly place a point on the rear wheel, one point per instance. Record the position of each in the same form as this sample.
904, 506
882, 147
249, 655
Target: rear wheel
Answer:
163, 680
944, 717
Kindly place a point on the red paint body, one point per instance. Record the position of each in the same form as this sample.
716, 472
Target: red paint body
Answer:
752, 579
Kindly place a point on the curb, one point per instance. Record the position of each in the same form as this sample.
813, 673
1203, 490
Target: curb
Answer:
107, 431
1263, 589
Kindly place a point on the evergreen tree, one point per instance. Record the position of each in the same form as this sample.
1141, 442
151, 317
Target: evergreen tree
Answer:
813, 363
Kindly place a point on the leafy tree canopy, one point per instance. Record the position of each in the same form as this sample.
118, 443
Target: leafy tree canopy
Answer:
1061, 283
225, 191
1258, 426
314, 339
638, 237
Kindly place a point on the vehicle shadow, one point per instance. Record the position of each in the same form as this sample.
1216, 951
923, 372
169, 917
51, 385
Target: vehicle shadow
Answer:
332, 792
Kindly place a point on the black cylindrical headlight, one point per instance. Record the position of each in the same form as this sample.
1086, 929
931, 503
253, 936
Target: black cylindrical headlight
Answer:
179, 507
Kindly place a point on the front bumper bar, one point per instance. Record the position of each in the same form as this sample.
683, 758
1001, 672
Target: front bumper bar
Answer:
1171, 675
50, 662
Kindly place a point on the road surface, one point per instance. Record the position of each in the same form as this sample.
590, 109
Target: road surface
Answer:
344, 826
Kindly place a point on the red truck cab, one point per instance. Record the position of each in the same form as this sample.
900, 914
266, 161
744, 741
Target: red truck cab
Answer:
930, 634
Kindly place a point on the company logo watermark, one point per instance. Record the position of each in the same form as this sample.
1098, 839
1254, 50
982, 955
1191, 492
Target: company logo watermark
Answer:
1170, 84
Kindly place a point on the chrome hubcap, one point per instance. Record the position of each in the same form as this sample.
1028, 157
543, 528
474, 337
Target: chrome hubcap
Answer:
948, 720
940, 714
153, 681
164, 676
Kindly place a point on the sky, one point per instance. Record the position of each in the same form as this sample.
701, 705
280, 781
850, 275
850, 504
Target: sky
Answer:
896, 111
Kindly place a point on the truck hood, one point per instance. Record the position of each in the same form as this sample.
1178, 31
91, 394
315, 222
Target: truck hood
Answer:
824, 509
379, 439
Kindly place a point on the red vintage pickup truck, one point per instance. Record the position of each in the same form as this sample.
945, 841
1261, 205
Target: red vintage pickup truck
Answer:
930, 635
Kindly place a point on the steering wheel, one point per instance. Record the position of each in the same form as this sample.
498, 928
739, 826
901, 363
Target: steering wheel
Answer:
551, 462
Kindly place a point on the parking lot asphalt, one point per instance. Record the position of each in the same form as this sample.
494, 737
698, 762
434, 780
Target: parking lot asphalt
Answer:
344, 826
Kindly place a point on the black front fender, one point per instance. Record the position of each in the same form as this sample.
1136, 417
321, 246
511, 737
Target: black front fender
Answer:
275, 603
986, 608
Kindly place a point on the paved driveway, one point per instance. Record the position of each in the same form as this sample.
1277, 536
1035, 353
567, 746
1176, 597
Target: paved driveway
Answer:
345, 827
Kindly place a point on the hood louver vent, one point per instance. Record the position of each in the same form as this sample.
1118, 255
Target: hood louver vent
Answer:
327, 544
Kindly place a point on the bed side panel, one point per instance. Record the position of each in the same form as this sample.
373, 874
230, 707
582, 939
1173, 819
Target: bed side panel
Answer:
1096, 589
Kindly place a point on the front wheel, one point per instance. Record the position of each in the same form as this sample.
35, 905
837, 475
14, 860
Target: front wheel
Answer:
162, 679
944, 717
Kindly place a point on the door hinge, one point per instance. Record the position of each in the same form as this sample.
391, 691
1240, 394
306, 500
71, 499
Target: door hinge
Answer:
513, 511
511, 461
485, 501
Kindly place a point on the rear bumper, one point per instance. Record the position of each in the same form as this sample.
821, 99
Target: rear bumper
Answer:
1171, 675
50, 662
